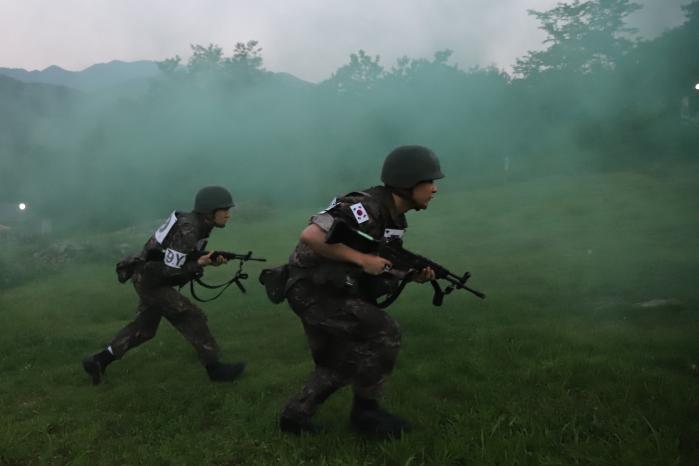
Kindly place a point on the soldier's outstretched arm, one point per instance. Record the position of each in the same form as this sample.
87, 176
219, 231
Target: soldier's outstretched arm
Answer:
314, 236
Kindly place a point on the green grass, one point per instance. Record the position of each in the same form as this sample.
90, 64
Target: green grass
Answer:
557, 367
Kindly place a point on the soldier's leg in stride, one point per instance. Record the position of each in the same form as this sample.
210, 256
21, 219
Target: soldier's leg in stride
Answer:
374, 356
138, 331
351, 341
320, 384
326, 325
191, 322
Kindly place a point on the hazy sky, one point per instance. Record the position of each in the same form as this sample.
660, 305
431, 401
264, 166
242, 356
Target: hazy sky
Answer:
308, 38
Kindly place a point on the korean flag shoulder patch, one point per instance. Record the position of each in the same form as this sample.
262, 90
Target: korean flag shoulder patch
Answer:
359, 212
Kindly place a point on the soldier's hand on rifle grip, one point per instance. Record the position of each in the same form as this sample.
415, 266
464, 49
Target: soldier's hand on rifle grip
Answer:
375, 265
203, 261
220, 260
425, 275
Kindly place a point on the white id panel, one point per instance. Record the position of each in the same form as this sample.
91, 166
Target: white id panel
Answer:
161, 233
174, 259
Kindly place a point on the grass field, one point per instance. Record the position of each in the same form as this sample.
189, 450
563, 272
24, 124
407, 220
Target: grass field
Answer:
559, 366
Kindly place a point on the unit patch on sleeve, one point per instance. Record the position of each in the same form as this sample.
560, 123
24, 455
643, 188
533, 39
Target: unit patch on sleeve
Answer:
359, 212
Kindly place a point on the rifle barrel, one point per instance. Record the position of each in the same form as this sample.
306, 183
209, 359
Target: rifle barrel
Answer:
476, 292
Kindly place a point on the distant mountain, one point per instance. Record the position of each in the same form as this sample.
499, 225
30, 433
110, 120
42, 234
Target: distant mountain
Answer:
291, 80
99, 76
117, 74
19, 98
29, 114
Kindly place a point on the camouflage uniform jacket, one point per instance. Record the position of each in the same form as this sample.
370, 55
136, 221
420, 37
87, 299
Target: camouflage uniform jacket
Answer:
164, 256
372, 211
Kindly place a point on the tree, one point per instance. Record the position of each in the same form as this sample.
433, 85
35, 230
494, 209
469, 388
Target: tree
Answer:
245, 65
361, 74
584, 36
408, 68
205, 59
664, 70
169, 65
246, 54
207, 66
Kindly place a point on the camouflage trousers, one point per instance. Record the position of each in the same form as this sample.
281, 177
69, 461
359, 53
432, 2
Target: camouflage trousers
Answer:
352, 342
185, 316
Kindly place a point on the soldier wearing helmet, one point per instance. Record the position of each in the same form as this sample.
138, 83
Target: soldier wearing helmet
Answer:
352, 340
162, 265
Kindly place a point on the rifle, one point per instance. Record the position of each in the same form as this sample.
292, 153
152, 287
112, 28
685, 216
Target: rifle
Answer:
402, 259
239, 275
226, 255
155, 255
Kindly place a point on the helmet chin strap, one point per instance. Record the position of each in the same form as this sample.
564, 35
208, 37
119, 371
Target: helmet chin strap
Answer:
212, 219
208, 218
407, 195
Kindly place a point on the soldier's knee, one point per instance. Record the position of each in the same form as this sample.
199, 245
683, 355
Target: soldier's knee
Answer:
198, 314
377, 324
387, 358
388, 339
393, 334
146, 334
192, 316
390, 346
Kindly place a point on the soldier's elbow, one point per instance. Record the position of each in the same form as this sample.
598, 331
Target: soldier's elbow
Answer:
312, 235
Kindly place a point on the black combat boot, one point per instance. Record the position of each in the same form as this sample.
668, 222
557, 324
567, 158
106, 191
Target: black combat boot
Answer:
222, 372
96, 364
295, 426
369, 419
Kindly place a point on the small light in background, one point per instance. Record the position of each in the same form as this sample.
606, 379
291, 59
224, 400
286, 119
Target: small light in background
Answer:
696, 86
22, 206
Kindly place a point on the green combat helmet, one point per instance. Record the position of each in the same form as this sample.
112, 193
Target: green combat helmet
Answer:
407, 166
212, 198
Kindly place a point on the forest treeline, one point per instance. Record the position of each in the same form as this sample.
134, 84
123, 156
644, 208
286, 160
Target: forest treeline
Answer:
595, 97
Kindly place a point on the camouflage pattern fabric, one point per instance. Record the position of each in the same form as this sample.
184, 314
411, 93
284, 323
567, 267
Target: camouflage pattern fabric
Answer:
188, 235
379, 206
352, 341
154, 281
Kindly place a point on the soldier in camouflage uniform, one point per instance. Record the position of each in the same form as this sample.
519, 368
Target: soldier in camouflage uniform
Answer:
161, 265
352, 340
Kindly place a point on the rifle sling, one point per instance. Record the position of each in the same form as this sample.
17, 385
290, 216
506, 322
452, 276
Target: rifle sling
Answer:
236, 279
393, 296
